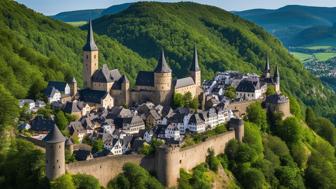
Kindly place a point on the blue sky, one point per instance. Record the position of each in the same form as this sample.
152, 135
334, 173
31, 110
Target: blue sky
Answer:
50, 7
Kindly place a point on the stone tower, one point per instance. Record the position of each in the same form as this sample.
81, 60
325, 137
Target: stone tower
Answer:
163, 81
237, 125
125, 89
276, 80
267, 70
73, 87
195, 71
90, 57
55, 157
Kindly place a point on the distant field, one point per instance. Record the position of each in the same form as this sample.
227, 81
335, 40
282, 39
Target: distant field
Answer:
302, 56
77, 24
318, 47
324, 56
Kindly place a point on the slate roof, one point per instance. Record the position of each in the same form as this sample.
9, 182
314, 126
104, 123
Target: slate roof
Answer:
155, 115
50, 91
196, 119
73, 106
194, 66
129, 122
54, 136
82, 155
90, 42
162, 66
276, 99
76, 127
41, 124
92, 96
59, 85
105, 75
145, 78
247, 86
179, 83
118, 112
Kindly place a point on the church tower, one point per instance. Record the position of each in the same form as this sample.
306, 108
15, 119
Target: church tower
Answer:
90, 57
55, 157
73, 87
194, 70
267, 70
163, 81
276, 80
125, 90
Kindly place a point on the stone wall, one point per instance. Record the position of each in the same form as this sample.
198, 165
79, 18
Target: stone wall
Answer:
169, 160
106, 168
239, 108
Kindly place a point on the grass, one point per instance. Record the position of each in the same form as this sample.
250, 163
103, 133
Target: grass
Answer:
77, 24
324, 56
302, 56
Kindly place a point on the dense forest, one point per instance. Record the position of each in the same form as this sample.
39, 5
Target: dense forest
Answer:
224, 41
298, 152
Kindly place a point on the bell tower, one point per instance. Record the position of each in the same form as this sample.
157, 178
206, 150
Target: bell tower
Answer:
195, 70
267, 70
90, 57
163, 81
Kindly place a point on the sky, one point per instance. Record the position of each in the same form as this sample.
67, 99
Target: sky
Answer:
51, 7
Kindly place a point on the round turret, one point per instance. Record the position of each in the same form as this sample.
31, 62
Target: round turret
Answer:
55, 157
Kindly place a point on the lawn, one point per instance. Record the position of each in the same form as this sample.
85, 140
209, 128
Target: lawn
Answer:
324, 56
302, 56
77, 24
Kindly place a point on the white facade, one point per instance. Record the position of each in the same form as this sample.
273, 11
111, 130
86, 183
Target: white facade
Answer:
172, 132
54, 97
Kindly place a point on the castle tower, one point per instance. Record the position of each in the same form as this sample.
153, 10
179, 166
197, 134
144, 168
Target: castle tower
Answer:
90, 57
162, 81
73, 87
55, 157
276, 80
195, 71
125, 88
237, 125
267, 70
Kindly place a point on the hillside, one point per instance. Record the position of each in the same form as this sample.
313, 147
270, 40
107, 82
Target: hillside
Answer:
322, 35
84, 15
224, 41
288, 21
35, 49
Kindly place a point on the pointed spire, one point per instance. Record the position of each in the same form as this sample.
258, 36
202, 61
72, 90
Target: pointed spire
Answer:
162, 66
74, 80
54, 136
276, 75
194, 66
90, 43
267, 66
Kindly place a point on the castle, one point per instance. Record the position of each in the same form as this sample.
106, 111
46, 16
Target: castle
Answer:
103, 85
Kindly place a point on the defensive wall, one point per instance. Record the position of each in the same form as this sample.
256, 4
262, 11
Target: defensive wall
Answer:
166, 163
239, 108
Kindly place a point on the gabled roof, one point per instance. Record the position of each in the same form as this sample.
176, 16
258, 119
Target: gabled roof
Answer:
51, 91
90, 42
92, 96
59, 85
145, 79
40, 123
196, 119
194, 65
54, 136
248, 86
74, 106
184, 82
162, 66
105, 75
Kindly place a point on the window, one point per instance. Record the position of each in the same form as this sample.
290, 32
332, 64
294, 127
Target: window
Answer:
95, 56
87, 56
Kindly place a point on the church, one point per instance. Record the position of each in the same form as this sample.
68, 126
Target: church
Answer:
106, 88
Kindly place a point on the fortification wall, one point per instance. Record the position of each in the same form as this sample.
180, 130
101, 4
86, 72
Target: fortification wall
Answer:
192, 156
241, 107
106, 168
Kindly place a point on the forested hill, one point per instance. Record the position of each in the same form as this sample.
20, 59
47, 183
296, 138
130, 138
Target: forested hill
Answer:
36, 48
224, 41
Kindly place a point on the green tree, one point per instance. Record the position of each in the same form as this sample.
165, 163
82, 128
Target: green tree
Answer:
63, 182
212, 161
61, 120
98, 145
9, 109
83, 181
252, 178
310, 116
270, 90
252, 136
194, 103
178, 100
257, 115
187, 98
230, 92
289, 177
290, 130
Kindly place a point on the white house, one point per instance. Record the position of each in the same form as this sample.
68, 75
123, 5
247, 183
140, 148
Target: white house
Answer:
29, 102
114, 146
172, 131
53, 94
196, 124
